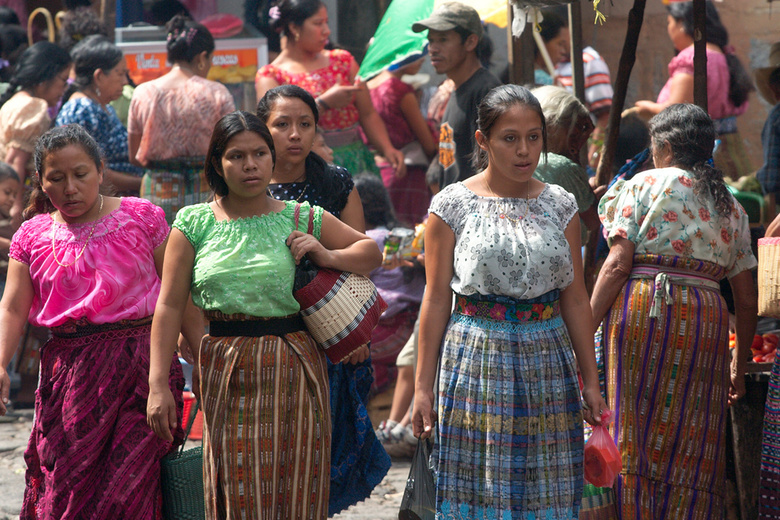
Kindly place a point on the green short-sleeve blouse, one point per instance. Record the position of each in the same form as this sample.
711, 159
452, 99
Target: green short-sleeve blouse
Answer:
244, 265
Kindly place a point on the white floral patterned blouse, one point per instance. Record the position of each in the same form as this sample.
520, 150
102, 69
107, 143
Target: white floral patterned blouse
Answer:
521, 257
658, 211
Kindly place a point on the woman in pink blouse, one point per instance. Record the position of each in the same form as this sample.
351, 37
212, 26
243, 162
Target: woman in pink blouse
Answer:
329, 76
170, 120
728, 84
87, 266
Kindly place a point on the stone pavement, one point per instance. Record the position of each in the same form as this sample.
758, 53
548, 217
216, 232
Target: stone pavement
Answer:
15, 430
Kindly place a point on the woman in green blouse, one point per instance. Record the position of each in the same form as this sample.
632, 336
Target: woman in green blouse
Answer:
263, 380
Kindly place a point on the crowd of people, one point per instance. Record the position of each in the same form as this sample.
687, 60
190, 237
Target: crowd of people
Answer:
178, 233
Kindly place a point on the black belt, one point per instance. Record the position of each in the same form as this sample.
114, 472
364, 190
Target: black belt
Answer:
257, 328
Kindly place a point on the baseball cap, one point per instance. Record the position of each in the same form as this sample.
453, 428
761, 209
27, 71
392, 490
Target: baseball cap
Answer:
450, 15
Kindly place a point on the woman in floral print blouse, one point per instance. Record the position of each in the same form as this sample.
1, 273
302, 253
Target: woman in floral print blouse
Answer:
674, 233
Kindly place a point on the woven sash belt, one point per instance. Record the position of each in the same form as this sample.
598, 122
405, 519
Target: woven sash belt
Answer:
664, 278
257, 328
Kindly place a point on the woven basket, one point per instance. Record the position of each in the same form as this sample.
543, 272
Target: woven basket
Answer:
182, 481
769, 277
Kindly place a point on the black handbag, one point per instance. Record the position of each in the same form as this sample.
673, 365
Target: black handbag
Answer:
182, 480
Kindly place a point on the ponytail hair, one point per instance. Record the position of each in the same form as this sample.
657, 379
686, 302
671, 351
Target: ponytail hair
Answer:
691, 134
186, 39
295, 12
740, 84
38, 64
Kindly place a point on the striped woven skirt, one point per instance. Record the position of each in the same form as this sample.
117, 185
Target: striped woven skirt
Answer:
266, 435
175, 183
91, 453
769, 488
666, 341
510, 415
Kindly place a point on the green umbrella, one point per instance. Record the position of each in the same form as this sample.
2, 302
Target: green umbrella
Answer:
394, 42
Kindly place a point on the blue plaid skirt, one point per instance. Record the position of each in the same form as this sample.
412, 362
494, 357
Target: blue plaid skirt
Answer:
511, 439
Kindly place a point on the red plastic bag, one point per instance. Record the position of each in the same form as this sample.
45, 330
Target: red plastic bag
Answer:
602, 458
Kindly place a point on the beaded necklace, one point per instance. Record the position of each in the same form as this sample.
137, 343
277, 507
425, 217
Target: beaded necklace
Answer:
91, 232
503, 213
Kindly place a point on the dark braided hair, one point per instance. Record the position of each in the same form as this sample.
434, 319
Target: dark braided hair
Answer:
38, 64
691, 134
52, 141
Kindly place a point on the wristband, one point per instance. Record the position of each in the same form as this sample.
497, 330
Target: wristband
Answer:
320, 102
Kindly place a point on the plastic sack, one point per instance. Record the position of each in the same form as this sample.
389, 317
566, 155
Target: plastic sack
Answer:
602, 458
419, 501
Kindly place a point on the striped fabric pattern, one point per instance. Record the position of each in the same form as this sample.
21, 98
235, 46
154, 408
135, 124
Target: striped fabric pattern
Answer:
668, 379
91, 453
510, 421
769, 489
266, 427
174, 184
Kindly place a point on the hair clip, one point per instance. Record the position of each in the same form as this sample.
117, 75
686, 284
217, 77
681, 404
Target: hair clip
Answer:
190, 35
274, 13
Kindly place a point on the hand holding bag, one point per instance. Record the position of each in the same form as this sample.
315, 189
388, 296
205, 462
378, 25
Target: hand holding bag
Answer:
340, 309
419, 500
602, 458
182, 480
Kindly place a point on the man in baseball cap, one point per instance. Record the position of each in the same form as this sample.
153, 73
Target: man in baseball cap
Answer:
454, 31
449, 16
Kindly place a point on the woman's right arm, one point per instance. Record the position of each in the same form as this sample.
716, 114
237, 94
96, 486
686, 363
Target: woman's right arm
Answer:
434, 315
746, 312
681, 91
416, 121
122, 181
612, 277
14, 309
352, 214
18, 160
263, 84
166, 325
133, 144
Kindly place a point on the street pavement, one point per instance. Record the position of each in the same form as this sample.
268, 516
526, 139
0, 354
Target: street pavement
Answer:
15, 431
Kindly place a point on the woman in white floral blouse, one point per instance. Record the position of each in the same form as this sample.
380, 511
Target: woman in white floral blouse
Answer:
674, 232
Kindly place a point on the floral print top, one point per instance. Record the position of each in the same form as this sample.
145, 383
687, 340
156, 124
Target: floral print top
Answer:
521, 257
658, 211
317, 82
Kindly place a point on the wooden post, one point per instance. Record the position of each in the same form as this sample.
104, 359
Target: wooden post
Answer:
700, 53
520, 53
627, 59
575, 28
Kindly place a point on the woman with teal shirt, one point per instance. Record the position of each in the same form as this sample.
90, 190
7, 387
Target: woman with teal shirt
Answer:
263, 381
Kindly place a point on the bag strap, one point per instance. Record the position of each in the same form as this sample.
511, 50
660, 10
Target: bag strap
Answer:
190, 422
297, 214
310, 231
